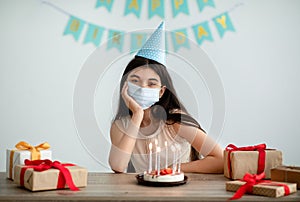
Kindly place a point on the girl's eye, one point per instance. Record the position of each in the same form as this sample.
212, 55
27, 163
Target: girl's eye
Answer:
152, 84
134, 81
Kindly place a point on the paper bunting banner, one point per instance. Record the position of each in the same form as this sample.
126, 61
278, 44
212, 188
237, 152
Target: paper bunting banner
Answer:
137, 41
179, 6
156, 7
203, 3
115, 40
133, 6
202, 32
94, 34
105, 3
179, 39
74, 27
223, 24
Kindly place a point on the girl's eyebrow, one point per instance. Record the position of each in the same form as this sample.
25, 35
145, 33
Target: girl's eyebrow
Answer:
153, 79
134, 75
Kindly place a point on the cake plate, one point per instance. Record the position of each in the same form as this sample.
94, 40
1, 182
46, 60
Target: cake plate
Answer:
141, 181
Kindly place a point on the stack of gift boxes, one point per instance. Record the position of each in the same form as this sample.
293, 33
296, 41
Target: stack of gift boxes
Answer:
32, 167
258, 170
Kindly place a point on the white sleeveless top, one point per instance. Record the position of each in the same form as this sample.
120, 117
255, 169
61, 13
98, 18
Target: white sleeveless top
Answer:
164, 134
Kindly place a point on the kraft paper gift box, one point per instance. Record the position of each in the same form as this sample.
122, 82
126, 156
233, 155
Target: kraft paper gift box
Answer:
286, 174
263, 189
239, 162
25, 151
49, 179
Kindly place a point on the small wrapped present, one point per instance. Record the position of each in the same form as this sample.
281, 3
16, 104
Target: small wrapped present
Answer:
25, 151
41, 175
251, 159
254, 184
286, 174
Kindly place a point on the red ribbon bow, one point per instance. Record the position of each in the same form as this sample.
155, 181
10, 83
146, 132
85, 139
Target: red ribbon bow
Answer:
252, 180
261, 155
42, 165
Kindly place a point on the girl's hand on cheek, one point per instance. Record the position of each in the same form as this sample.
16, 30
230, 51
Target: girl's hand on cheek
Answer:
130, 102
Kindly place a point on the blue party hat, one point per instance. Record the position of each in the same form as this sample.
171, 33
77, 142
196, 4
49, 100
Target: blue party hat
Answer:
154, 47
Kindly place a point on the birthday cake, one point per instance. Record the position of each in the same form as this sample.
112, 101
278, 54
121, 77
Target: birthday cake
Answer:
165, 175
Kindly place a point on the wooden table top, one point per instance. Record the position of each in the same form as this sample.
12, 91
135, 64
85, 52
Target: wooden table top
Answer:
124, 187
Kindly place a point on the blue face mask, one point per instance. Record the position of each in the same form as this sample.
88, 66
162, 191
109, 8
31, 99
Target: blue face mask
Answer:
145, 97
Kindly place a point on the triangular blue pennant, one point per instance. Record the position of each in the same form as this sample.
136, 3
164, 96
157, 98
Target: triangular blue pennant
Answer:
223, 24
179, 39
156, 7
137, 41
115, 39
74, 27
202, 32
94, 34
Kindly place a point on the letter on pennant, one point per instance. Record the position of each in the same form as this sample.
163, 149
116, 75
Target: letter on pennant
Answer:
134, 5
222, 21
180, 37
201, 32
178, 3
154, 4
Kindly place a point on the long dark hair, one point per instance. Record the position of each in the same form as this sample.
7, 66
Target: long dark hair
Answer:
168, 108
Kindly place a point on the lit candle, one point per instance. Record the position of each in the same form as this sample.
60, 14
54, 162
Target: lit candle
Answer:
158, 160
156, 143
166, 145
150, 157
173, 149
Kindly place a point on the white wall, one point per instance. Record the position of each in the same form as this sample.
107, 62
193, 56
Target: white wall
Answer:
259, 66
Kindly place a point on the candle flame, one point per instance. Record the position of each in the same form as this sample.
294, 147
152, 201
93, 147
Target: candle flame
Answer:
158, 149
166, 143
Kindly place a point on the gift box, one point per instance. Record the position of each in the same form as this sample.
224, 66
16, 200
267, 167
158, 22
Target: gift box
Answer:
286, 174
271, 188
56, 175
252, 159
25, 151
